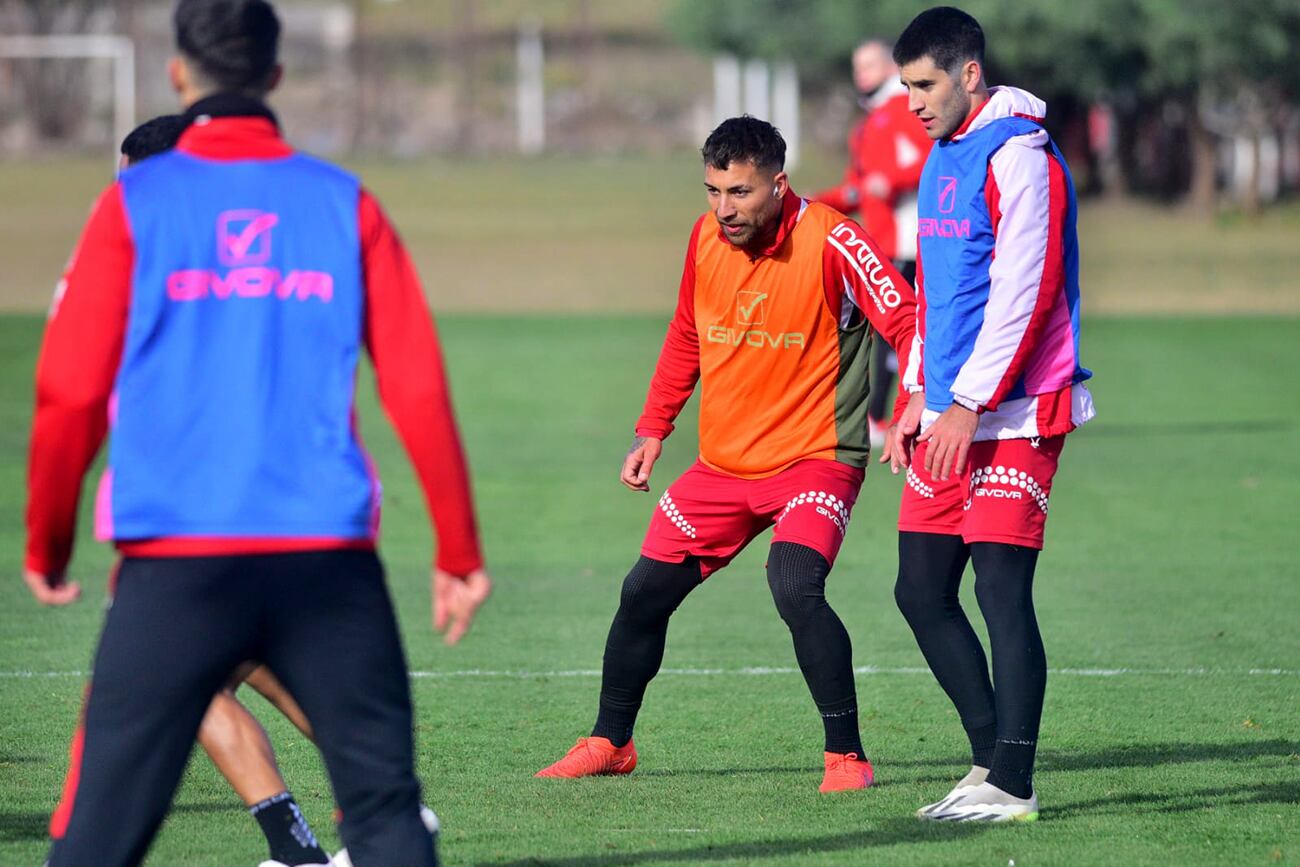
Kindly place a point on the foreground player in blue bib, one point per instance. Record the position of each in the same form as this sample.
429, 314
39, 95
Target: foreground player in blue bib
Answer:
212, 318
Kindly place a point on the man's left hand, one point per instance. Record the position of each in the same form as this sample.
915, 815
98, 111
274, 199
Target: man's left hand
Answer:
949, 437
51, 589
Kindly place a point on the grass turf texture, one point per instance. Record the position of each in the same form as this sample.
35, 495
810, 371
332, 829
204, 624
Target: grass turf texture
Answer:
1171, 548
577, 234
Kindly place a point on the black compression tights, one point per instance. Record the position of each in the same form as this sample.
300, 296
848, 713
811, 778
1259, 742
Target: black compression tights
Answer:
635, 646
796, 574
653, 590
929, 574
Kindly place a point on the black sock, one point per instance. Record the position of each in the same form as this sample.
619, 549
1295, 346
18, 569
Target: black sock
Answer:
930, 567
796, 575
1013, 767
287, 833
841, 728
635, 646
1004, 580
982, 740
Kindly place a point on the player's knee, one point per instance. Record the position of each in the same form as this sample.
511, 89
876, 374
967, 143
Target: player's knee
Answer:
1003, 601
221, 726
929, 573
654, 588
910, 599
795, 599
922, 600
796, 575
1004, 576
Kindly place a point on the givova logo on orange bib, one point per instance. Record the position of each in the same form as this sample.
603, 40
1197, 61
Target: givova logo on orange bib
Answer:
751, 310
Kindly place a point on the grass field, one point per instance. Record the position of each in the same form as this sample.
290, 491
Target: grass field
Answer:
591, 235
1168, 595
1169, 592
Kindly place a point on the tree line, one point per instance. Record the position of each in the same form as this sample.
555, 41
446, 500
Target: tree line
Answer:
1174, 79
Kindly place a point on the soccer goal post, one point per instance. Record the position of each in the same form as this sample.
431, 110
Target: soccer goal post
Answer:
119, 49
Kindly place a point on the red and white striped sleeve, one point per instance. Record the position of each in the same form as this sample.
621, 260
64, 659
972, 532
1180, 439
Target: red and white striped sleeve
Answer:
854, 271
1028, 202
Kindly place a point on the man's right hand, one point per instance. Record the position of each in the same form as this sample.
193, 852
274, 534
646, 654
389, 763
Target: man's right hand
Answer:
51, 589
640, 462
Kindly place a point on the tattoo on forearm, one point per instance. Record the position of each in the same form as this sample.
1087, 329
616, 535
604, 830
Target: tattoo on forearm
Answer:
637, 442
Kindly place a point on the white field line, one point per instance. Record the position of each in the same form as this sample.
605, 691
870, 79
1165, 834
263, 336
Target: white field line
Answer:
753, 671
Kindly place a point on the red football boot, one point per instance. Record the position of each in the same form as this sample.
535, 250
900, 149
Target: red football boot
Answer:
592, 757
846, 771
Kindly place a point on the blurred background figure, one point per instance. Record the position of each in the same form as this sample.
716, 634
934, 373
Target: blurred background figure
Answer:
887, 149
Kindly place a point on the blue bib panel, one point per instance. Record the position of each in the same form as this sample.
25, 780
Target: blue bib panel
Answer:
234, 399
956, 244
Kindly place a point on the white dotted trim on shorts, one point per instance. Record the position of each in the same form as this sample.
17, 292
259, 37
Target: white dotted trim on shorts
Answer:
669, 508
914, 482
820, 498
1011, 477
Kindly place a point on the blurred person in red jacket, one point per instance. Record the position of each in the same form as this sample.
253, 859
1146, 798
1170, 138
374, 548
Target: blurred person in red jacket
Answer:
887, 149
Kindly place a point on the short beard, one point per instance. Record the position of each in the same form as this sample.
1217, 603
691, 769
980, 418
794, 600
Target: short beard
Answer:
743, 241
959, 116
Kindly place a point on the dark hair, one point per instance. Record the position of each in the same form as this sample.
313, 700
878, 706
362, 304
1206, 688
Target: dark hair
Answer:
744, 139
153, 137
234, 42
946, 35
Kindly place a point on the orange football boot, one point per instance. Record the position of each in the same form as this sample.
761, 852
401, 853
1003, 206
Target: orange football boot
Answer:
592, 757
846, 771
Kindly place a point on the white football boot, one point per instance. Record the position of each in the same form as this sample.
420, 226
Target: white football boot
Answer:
282, 864
986, 803
972, 779
431, 824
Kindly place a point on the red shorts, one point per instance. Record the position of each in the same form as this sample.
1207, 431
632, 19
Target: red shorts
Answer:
1002, 496
712, 516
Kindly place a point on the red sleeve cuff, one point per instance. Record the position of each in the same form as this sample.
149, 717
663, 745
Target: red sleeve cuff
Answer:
651, 430
44, 564
459, 565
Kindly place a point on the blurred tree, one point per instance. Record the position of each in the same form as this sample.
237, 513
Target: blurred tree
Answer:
819, 35
1173, 70
1230, 67
53, 91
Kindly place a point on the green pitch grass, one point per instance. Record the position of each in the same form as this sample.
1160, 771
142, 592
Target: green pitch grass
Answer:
1169, 596
570, 234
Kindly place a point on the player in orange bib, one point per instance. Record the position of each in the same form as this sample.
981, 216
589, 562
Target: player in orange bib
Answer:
780, 301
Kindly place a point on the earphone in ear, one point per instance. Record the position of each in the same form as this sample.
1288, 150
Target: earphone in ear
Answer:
776, 190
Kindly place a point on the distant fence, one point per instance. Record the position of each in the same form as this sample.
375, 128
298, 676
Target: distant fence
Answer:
468, 87
462, 90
